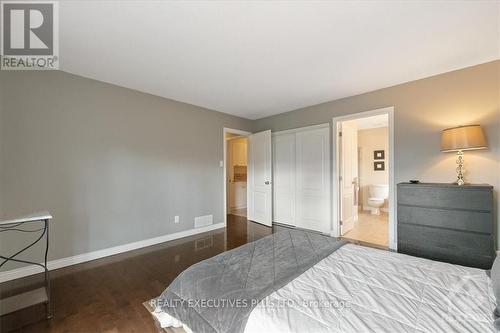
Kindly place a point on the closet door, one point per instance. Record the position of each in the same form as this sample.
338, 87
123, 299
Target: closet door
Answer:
284, 178
313, 179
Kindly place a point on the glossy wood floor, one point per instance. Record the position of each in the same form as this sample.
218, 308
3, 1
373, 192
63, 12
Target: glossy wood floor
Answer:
106, 295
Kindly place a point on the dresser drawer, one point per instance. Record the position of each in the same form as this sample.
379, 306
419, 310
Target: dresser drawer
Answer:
443, 197
474, 221
453, 246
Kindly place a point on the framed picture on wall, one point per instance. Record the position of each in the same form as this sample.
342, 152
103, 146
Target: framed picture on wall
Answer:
379, 154
379, 166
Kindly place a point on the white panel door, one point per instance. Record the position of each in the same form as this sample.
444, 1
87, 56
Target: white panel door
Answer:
313, 179
284, 178
259, 178
349, 174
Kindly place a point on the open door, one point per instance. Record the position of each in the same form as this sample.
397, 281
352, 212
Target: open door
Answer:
348, 175
259, 198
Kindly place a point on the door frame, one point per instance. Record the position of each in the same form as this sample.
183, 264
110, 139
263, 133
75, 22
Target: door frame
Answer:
224, 164
389, 111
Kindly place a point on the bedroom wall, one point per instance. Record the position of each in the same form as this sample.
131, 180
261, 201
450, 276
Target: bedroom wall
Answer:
112, 165
1, 145
422, 109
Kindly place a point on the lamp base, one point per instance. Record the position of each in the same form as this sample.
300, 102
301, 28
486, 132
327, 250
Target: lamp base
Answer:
460, 168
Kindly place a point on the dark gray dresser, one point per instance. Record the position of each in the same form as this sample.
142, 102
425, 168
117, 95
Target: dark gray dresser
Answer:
446, 222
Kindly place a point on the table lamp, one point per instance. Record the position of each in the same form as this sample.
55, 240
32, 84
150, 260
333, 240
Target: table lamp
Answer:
459, 139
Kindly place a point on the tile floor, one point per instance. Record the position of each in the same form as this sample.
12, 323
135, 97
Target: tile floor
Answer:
371, 229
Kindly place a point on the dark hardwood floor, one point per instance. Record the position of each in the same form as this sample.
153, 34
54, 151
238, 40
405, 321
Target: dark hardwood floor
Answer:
106, 295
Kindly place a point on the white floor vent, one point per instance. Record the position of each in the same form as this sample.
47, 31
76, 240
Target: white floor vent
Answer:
203, 221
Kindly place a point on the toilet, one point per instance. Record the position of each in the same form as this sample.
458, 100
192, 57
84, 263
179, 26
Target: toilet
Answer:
377, 196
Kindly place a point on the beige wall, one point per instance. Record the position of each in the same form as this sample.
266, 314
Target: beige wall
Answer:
236, 154
421, 110
368, 141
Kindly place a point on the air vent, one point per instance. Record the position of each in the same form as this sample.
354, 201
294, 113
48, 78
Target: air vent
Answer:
203, 221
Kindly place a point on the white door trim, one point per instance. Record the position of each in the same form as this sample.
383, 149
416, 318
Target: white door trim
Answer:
335, 169
224, 166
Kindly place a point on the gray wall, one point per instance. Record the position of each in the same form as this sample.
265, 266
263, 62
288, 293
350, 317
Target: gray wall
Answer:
1, 145
111, 164
422, 109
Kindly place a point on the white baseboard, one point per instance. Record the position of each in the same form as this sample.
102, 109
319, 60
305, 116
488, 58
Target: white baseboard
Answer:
64, 262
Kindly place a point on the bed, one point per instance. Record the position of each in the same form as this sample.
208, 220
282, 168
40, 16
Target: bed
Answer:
351, 288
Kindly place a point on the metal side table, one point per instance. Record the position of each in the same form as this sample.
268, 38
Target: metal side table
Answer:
37, 223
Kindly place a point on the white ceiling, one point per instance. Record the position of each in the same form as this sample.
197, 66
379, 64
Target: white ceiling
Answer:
381, 120
256, 59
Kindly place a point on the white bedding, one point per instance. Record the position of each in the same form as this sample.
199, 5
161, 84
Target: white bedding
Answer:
360, 289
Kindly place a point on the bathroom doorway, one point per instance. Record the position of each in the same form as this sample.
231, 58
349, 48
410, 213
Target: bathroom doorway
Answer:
363, 170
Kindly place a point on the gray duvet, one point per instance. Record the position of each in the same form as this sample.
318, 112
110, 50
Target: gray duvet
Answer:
218, 294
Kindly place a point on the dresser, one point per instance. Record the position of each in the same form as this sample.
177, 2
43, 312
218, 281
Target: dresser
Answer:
446, 222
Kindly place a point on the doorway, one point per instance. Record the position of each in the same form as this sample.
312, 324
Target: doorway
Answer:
249, 195
363, 183
235, 171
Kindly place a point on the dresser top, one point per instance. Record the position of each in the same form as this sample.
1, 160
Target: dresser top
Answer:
449, 185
